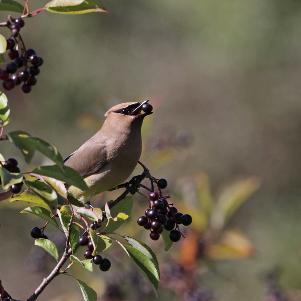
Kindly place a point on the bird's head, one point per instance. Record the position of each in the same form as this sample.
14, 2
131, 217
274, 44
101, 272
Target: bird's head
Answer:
131, 110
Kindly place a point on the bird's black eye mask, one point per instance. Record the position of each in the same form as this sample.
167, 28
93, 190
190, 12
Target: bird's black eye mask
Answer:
132, 109
136, 108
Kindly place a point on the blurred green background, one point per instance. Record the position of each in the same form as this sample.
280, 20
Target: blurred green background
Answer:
223, 77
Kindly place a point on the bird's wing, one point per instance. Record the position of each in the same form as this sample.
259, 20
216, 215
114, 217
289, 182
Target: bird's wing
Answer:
89, 159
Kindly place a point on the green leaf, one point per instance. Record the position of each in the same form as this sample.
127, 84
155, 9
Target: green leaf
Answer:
94, 214
100, 242
4, 109
74, 237
28, 145
9, 178
65, 217
42, 213
48, 246
11, 5
31, 199
88, 293
145, 258
167, 242
74, 7
87, 263
42, 189
67, 175
120, 214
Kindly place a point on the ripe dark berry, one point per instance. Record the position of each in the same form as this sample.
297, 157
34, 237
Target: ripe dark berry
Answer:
19, 22
154, 235
91, 246
88, 254
13, 54
26, 88
8, 84
169, 225
19, 61
97, 259
11, 162
83, 240
16, 188
153, 196
186, 219
3, 74
15, 79
29, 52
175, 235
38, 62
10, 43
156, 226
178, 218
172, 211
152, 213
158, 204
105, 265
163, 210
161, 218
34, 70
142, 221
11, 67
36, 232
24, 75
162, 183
147, 108
147, 226
31, 81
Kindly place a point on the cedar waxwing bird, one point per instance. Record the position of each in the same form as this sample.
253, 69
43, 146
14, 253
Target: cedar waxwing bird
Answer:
109, 157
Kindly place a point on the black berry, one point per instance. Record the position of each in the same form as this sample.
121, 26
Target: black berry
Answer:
154, 235
156, 226
29, 52
178, 218
142, 221
16, 188
83, 241
91, 246
147, 108
172, 211
186, 219
97, 259
88, 254
10, 43
19, 22
162, 183
36, 232
11, 67
153, 196
169, 225
105, 265
11, 162
152, 213
175, 235
8, 84
26, 88
13, 54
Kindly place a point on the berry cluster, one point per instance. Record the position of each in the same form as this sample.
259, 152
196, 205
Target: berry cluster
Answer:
24, 65
103, 263
11, 165
161, 215
37, 232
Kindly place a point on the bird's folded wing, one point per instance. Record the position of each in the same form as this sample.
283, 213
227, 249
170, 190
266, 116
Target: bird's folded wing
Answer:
89, 159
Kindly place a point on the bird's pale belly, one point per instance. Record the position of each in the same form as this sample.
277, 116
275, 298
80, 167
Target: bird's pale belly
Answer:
110, 176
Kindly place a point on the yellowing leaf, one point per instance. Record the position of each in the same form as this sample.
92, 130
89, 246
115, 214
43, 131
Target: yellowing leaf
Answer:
233, 245
74, 6
231, 199
3, 44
